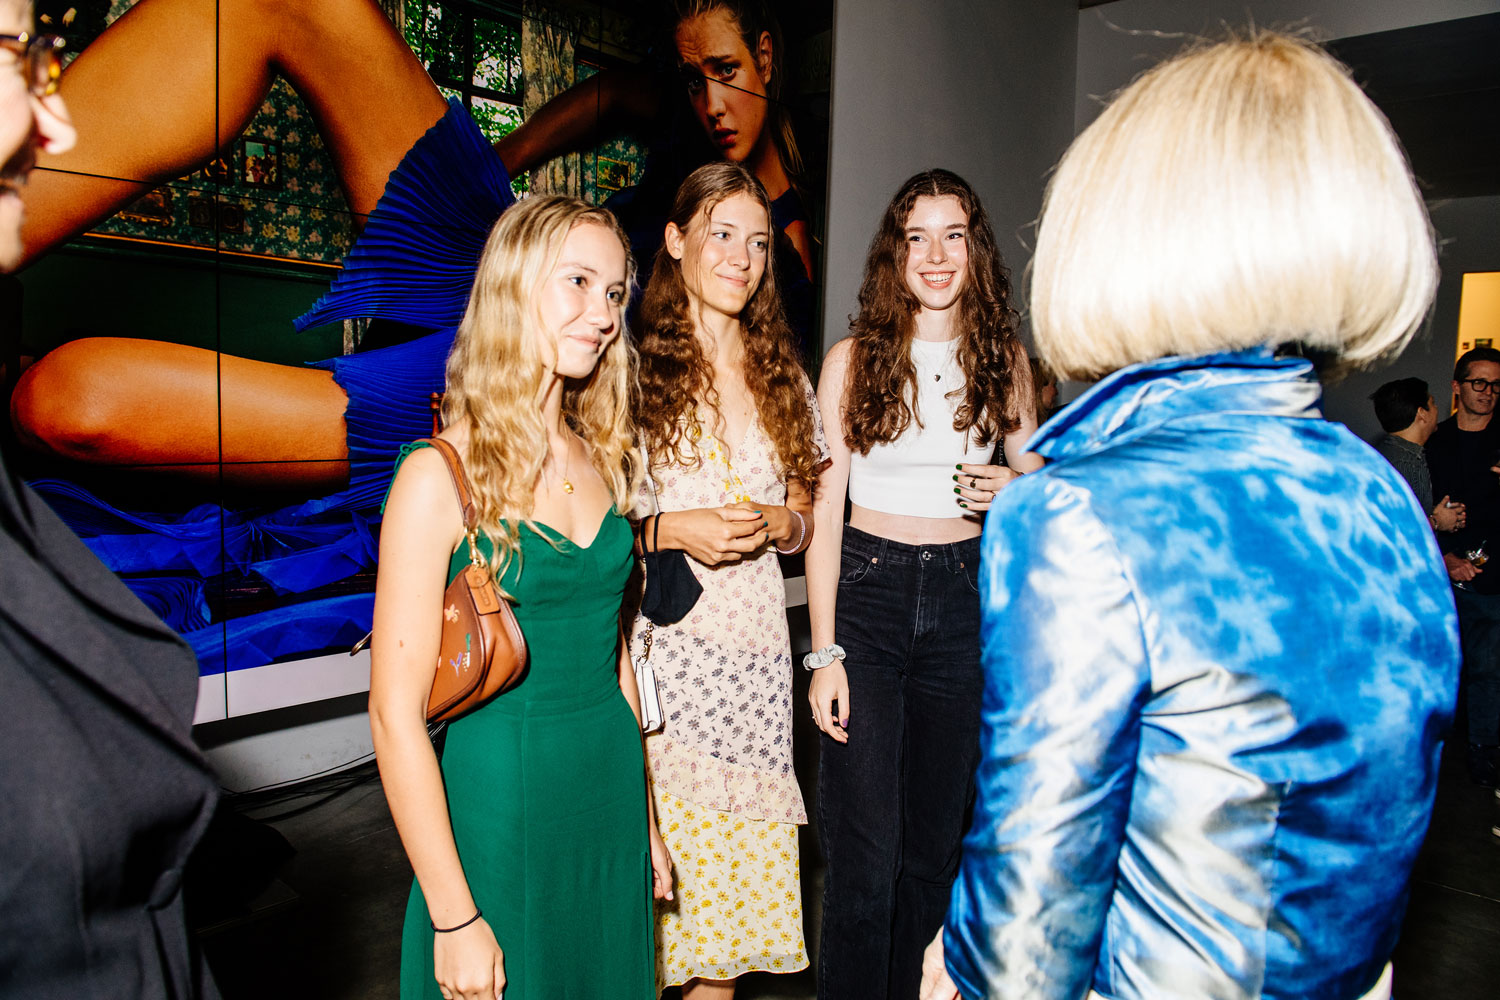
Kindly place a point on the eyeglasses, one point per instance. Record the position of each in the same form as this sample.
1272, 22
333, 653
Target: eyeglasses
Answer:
38, 60
1481, 384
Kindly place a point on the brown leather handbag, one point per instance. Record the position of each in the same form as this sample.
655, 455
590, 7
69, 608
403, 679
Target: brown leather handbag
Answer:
483, 652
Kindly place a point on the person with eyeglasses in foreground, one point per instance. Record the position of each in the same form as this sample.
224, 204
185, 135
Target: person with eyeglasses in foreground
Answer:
1462, 455
32, 115
103, 794
1219, 647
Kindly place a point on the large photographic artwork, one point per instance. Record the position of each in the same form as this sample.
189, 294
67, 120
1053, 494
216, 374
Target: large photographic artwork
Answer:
184, 391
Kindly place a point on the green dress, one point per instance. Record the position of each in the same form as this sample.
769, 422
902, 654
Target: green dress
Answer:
546, 788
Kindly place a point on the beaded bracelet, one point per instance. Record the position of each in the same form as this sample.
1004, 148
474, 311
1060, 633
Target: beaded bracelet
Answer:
801, 533
458, 927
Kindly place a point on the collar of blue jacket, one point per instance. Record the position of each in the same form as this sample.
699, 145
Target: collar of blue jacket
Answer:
1139, 398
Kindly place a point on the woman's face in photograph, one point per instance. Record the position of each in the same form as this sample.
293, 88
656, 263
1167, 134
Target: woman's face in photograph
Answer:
582, 302
724, 254
937, 250
726, 83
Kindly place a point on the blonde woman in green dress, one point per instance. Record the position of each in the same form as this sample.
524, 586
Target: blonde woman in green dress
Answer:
534, 847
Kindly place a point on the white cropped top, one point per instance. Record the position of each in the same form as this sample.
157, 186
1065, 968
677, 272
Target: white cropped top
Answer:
913, 475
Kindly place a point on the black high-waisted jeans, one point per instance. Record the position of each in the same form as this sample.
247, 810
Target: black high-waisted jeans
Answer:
892, 802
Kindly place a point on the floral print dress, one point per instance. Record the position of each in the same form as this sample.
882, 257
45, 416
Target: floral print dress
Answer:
727, 800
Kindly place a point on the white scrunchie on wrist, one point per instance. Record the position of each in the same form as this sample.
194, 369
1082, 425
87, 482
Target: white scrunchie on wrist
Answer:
820, 658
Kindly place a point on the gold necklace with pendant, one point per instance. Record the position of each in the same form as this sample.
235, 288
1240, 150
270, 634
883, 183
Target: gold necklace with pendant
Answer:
567, 484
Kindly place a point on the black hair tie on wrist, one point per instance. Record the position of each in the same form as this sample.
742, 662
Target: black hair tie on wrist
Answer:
458, 927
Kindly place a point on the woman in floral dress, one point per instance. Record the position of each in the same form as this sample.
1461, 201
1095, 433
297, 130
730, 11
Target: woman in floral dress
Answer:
733, 441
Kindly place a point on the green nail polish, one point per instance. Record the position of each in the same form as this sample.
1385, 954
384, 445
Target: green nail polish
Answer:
955, 489
959, 467
964, 505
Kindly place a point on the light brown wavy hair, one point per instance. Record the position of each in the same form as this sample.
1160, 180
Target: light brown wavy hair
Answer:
495, 373
881, 388
675, 375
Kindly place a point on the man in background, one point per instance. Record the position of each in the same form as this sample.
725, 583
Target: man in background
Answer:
1462, 454
1408, 416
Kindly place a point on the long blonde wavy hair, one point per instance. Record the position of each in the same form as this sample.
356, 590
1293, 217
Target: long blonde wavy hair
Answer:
495, 374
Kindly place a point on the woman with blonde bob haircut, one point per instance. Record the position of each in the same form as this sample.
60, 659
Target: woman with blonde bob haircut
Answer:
540, 800
1270, 205
1218, 641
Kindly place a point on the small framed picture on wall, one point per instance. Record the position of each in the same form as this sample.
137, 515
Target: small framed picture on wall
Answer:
613, 175
153, 208
218, 169
260, 163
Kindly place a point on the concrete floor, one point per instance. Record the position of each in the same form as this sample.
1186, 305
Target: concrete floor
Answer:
328, 926
1450, 942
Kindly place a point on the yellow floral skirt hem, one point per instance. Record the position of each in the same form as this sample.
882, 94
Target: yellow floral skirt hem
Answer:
739, 896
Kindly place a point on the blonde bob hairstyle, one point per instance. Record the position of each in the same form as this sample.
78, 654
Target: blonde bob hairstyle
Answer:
1240, 194
495, 373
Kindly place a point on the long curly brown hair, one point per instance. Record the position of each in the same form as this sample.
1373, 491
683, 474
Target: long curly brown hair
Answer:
881, 388
675, 376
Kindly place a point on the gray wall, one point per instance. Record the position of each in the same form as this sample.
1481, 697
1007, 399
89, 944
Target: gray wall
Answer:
981, 87
1468, 231
995, 91
1118, 40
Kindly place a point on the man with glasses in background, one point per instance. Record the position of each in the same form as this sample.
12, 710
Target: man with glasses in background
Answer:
1462, 455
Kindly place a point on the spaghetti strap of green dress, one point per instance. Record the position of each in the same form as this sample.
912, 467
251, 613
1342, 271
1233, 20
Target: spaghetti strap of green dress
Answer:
546, 789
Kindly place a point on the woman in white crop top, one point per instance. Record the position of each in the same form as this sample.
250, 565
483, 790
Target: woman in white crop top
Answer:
916, 404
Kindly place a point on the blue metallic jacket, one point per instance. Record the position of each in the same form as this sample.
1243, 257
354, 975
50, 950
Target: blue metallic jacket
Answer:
1220, 654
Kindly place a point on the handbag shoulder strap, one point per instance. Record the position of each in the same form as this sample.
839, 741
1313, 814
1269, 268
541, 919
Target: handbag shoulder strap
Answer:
650, 479
460, 482
655, 503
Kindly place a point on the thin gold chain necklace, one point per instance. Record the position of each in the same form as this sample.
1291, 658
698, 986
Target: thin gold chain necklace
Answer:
567, 484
